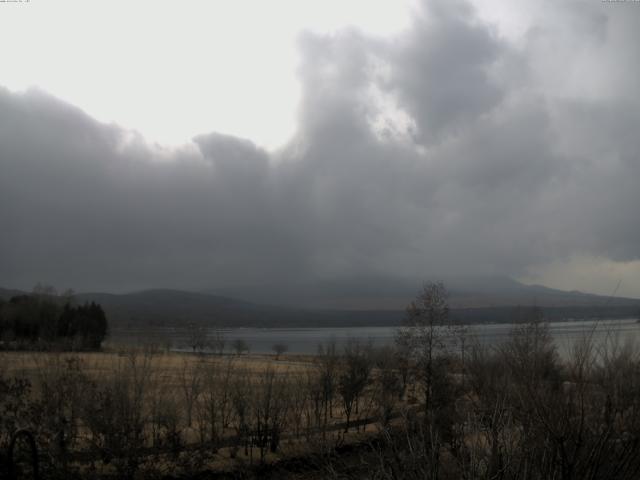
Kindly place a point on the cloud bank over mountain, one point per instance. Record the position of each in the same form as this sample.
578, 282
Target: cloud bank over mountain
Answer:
449, 148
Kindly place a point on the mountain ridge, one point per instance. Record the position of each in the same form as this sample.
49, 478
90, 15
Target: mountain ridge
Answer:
393, 294
499, 301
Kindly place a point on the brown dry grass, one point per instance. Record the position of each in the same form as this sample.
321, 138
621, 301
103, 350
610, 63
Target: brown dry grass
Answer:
168, 365
166, 373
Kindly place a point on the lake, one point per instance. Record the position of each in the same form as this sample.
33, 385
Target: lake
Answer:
306, 340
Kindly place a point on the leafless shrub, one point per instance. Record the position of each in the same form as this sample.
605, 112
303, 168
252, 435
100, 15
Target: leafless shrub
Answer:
191, 385
388, 384
166, 432
115, 414
61, 384
327, 362
215, 405
240, 401
299, 402
314, 389
269, 412
354, 376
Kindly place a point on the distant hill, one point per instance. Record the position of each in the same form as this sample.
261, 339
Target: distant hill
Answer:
176, 307
7, 293
498, 300
385, 293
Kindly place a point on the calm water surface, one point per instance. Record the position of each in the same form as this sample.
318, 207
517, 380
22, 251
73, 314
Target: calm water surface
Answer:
306, 340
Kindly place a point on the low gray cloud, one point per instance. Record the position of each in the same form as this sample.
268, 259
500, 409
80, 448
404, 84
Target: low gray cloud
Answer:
447, 149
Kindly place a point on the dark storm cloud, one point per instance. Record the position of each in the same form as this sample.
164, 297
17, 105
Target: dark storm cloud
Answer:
441, 69
489, 160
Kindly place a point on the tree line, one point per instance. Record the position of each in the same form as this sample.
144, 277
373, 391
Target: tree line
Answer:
44, 318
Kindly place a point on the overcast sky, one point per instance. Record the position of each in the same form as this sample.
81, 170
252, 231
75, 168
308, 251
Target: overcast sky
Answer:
199, 144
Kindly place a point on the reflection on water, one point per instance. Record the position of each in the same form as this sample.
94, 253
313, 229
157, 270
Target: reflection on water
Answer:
306, 340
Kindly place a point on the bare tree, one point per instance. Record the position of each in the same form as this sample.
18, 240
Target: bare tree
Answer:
115, 413
196, 338
279, 349
240, 346
423, 335
269, 406
354, 376
315, 391
44, 290
327, 361
215, 401
241, 403
299, 400
191, 385
388, 382
218, 341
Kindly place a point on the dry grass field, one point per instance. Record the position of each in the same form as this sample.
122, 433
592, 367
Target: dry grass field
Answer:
169, 365
147, 410
513, 412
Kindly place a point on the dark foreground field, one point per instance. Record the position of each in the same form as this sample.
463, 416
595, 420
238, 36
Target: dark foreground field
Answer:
414, 411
